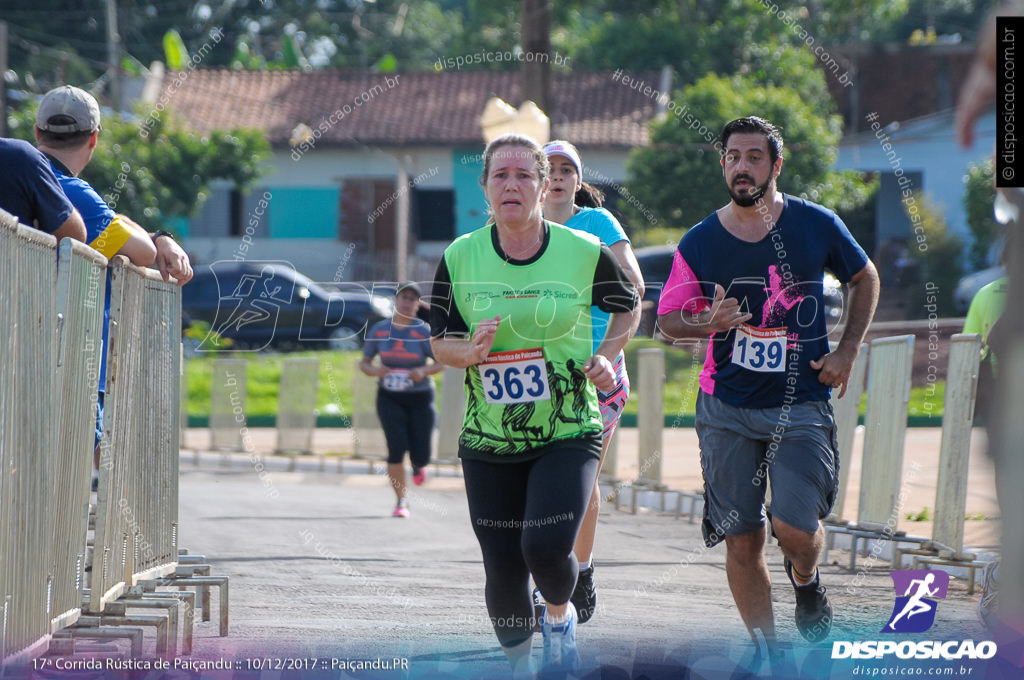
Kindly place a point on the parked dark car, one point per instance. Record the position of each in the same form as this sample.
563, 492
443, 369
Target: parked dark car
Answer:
969, 286
269, 304
656, 264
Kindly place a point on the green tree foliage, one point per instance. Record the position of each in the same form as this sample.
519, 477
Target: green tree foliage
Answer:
694, 37
979, 197
165, 174
837, 21
944, 17
175, 53
57, 41
679, 176
698, 36
939, 262
387, 34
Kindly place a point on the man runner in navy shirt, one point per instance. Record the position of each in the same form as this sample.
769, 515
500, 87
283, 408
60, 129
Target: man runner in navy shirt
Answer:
750, 277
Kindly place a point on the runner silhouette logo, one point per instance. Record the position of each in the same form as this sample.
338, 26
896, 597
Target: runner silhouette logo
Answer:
917, 591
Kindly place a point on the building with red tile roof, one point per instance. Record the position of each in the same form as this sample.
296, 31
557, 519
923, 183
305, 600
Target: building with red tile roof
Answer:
594, 110
339, 138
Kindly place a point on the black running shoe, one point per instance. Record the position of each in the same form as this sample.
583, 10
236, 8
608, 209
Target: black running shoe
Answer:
584, 596
813, 610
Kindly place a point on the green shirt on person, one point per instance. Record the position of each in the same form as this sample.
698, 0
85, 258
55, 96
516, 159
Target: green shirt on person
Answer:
986, 308
531, 391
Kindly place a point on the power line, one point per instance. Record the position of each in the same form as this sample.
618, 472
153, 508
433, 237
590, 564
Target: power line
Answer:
31, 47
100, 44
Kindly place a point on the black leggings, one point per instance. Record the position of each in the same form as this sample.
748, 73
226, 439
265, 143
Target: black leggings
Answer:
408, 423
526, 517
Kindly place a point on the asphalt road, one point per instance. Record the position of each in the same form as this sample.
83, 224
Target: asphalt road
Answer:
319, 569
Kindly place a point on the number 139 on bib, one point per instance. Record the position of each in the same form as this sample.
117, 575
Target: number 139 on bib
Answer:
760, 349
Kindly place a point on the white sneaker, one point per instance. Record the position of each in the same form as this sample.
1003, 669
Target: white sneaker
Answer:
560, 653
988, 605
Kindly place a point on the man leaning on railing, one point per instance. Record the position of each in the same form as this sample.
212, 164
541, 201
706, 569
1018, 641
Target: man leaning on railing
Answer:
67, 129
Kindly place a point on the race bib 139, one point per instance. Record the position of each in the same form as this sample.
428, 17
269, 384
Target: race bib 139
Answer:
760, 349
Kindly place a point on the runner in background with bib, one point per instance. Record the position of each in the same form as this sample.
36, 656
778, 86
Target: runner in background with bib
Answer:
576, 204
511, 304
405, 392
750, 276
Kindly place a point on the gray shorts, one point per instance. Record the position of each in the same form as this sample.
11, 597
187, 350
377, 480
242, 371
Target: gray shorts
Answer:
791, 447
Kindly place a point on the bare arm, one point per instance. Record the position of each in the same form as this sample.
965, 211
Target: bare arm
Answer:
139, 247
421, 372
980, 87
171, 260
627, 260
167, 255
73, 227
465, 353
371, 369
621, 326
723, 315
433, 368
599, 368
836, 366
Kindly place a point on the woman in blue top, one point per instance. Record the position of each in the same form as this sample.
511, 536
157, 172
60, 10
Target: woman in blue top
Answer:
405, 396
576, 204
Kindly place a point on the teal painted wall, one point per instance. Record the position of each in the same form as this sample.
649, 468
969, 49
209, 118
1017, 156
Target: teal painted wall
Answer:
470, 207
179, 225
301, 212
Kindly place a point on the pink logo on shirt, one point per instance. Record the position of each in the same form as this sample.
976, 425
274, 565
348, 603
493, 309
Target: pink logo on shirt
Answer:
786, 295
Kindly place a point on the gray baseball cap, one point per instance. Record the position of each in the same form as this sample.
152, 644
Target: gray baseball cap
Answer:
409, 285
68, 109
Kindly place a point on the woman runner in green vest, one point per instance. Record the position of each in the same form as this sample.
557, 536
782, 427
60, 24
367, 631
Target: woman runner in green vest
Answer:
511, 304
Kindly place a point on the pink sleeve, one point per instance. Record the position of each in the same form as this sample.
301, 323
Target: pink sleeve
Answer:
682, 290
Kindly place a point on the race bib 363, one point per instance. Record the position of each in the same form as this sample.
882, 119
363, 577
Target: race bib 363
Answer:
515, 376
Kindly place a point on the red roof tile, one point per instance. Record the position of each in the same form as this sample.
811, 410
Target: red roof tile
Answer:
428, 108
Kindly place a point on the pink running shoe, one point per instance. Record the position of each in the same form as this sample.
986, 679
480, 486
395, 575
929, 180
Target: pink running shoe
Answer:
419, 476
401, 510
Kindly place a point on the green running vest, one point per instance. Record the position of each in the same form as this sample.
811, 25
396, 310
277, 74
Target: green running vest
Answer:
520, 399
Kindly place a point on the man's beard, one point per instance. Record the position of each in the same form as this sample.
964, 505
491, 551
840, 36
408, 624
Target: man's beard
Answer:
752, 196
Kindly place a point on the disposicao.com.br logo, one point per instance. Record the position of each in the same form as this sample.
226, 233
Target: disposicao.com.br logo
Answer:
917, 592
919, 588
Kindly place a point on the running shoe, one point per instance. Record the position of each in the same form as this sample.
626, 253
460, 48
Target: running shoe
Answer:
813, 610
988, 611
538, 609
401, 510
560, 653
584, 595
520, 657
419, 475
768, 660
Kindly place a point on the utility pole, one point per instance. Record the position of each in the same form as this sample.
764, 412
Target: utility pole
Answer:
114, 55
402, 190
536, 69
3, 79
